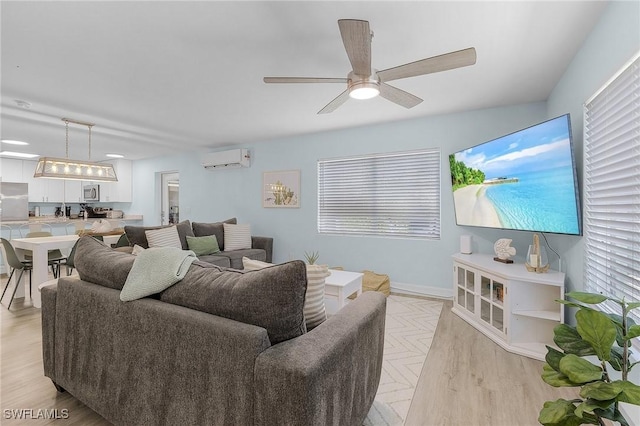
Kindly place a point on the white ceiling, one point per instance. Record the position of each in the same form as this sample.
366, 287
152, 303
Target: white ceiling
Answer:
162, 77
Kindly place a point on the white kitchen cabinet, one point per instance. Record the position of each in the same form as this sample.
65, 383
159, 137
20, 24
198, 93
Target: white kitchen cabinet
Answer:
41, 190
120, 191
73, 191
11, 170
516, 308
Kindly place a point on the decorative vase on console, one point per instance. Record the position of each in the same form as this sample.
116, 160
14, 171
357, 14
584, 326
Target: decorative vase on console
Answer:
537, 260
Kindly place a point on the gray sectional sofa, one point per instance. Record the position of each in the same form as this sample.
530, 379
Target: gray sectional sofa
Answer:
261, 247
220, 347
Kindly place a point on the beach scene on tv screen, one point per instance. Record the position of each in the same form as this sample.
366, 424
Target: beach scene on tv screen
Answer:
521, 181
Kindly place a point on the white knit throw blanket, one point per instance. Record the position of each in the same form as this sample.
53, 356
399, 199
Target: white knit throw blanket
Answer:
155, 270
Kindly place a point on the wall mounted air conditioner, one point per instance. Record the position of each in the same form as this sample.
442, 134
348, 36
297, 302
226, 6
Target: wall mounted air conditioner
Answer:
232, 158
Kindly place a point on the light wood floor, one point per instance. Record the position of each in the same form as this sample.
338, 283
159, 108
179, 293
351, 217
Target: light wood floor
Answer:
467, 379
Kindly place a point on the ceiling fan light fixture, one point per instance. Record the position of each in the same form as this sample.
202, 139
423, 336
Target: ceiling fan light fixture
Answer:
363, 87
364, 91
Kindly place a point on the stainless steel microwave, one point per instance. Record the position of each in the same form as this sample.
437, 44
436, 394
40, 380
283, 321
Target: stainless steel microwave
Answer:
91, 192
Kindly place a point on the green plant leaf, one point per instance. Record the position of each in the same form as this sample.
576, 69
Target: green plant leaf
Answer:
573, 304
633, 305
569, 340
616, 358
553, 358
556, 378
590, 405
612, 413
597, 329
615, 318
579, 370
633, 332
618, 320
559, 412
602, 391
590, 298
630, 392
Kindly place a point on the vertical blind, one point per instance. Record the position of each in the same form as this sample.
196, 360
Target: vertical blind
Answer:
396, 194
612, 188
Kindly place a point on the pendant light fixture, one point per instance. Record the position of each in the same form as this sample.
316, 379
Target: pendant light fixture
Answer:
65, 168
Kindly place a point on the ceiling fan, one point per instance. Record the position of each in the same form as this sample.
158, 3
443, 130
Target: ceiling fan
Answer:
364, 82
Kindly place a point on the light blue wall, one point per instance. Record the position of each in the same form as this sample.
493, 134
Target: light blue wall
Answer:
413, 265
611, 44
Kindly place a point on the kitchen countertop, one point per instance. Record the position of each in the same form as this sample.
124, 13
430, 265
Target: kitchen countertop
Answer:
62, 220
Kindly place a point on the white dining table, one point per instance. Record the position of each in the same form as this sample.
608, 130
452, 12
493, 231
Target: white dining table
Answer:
40, 247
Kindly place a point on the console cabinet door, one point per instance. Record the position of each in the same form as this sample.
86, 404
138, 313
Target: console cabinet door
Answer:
493, 299
465, 288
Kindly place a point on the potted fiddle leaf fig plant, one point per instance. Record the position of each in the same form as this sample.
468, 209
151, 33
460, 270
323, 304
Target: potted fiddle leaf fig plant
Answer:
606, 337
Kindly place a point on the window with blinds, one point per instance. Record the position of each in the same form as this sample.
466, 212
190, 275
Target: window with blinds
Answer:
612, 188
391, 195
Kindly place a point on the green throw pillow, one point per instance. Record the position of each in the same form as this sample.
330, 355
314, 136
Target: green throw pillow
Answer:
202, 246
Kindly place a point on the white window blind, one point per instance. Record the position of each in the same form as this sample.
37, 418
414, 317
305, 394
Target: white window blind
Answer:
612, 188
395, 195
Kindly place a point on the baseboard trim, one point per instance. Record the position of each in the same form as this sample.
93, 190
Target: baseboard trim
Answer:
420, 290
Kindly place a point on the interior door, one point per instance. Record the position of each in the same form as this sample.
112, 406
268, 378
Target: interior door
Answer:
170, 209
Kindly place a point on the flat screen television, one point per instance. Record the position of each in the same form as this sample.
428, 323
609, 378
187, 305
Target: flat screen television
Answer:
522, 181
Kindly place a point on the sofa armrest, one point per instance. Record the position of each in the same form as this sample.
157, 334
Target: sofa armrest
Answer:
265, 243
49, 299
327, 376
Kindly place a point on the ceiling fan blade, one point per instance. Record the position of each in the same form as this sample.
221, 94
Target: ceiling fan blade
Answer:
334, 104
303, 80
356, 37
448, 61
398, 96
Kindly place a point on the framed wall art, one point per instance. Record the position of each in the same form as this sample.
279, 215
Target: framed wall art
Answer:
281, 189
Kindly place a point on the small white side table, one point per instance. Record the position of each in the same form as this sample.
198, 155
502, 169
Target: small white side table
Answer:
339, 286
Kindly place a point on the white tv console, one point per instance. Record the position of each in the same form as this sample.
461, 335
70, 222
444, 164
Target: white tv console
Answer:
515, 308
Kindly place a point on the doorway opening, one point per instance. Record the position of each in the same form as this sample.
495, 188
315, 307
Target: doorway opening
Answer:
170, 207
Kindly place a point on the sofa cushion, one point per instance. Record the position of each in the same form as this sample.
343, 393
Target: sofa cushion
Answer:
100, 264
136, 234
215, 259
272, 298
217, 229
163, 237
203, 246
314, 309
237, 237
235, 257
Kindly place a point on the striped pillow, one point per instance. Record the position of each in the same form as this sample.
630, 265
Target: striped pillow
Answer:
314, 310
164, 237
254, 265
237, 237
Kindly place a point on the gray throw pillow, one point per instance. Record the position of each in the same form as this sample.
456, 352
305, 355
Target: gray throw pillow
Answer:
136, 234
217, 229
272, 298
100, 264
